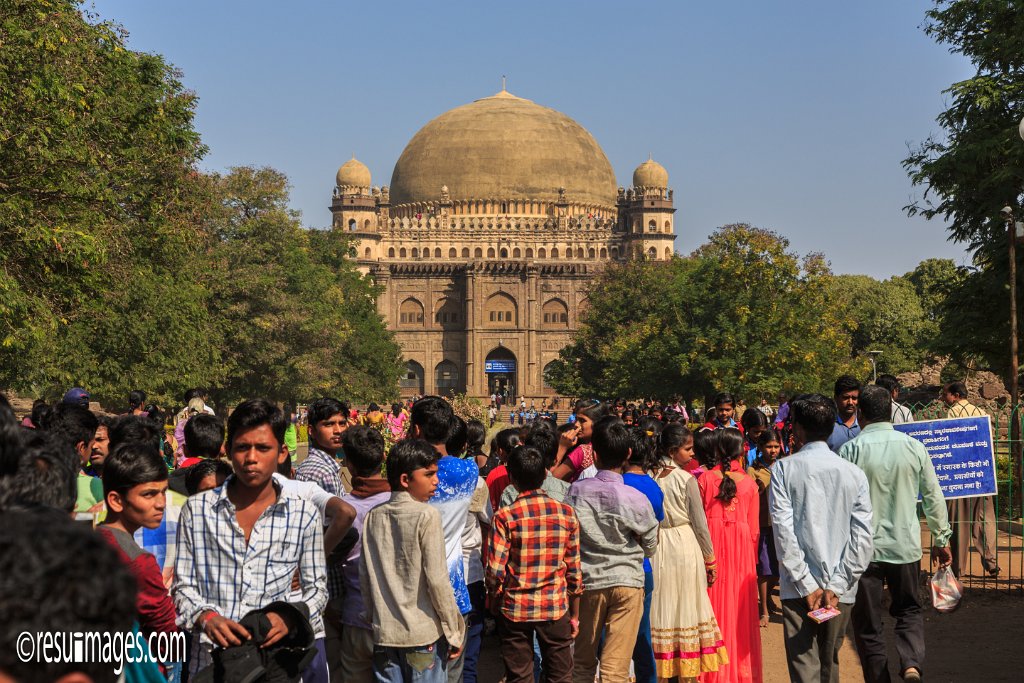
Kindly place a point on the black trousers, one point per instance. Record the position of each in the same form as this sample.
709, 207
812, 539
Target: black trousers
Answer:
906, 609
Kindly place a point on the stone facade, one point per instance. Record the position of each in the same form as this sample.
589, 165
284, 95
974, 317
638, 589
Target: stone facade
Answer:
482, 293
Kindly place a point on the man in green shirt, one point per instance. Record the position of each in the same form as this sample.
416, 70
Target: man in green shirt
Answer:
898, 469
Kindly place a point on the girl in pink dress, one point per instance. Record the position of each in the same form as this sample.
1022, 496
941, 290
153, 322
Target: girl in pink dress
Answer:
731, 502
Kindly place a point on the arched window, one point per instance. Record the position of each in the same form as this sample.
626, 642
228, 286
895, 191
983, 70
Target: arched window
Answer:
554, 252
437, 253
366, 224
501, 311
568, 253
401, 252
366, 253
449, 313
668, 226
465, 252
504, 253
542, 253
652, 226
412, 378
391, 252
410, 313
452, 253
555, 313
668, 252
415, 252
516, 253
652, 253
446, 377
351, 223
615, 252
529, 252
604, 253
504, 207
579, 252
478, 253
490, 252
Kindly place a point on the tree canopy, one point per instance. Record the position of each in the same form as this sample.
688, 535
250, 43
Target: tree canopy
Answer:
743, 313
126, 267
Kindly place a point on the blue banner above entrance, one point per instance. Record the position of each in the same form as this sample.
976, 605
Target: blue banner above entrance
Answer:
499, 366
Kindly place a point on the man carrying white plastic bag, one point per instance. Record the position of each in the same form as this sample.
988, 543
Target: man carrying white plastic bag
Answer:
898, 469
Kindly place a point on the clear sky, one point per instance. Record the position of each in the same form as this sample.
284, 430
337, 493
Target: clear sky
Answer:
790, 115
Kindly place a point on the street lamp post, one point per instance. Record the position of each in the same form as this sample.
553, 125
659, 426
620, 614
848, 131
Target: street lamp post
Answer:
873, 355
1015, 230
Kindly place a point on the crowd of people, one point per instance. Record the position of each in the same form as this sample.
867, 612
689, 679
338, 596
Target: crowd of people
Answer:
629, 541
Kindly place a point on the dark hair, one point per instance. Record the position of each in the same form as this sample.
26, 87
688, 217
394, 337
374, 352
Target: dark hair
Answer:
723, 397
507, 440
815, 414
136, 399
611, 442
767, 436
957, 389
72, 423
704, 447
130, 464
39, 412
324, 409
364, 449
455, 444
45, 474
526, 467
372, 407
675, 435
845, 383
396, 408
253, 413
193, 393
204, 436
476, 434
592, 408
651, 424
875, 403
543, 436
888, 382
97, 590
433, 416
136, 429
408, 456
752, 419
204, 468
728, 445
643, 445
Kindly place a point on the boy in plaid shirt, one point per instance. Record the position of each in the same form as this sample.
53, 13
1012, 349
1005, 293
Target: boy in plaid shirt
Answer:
533, 575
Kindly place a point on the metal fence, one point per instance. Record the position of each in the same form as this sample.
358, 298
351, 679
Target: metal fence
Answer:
987, 531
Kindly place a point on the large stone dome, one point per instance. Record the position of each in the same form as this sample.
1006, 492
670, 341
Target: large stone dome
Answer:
503, 147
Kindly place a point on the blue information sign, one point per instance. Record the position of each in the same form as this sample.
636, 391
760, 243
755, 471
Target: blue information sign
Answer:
499, 366
961, 451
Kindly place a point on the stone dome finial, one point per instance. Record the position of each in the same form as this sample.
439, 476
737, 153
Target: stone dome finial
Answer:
353, 173
650, 174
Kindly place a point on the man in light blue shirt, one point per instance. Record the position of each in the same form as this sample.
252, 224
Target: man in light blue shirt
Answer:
821, 514
898, 468
845, 427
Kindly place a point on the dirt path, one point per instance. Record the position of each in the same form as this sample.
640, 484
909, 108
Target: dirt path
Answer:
983, 641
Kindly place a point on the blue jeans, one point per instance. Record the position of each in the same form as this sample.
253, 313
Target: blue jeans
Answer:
474, 631
317, 672
426, 664
643, 651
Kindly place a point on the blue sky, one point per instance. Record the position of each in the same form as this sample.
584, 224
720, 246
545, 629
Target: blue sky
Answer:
789, 115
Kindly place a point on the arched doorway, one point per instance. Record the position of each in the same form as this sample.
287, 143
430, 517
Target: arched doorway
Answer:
446, 378
412, 379
500, 368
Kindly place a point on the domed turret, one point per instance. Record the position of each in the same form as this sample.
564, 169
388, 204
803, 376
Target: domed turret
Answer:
353, 173
650, 174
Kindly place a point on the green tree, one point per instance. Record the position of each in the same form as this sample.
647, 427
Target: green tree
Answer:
976, 165
742, 313
887, 316
298, 321
96, 152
